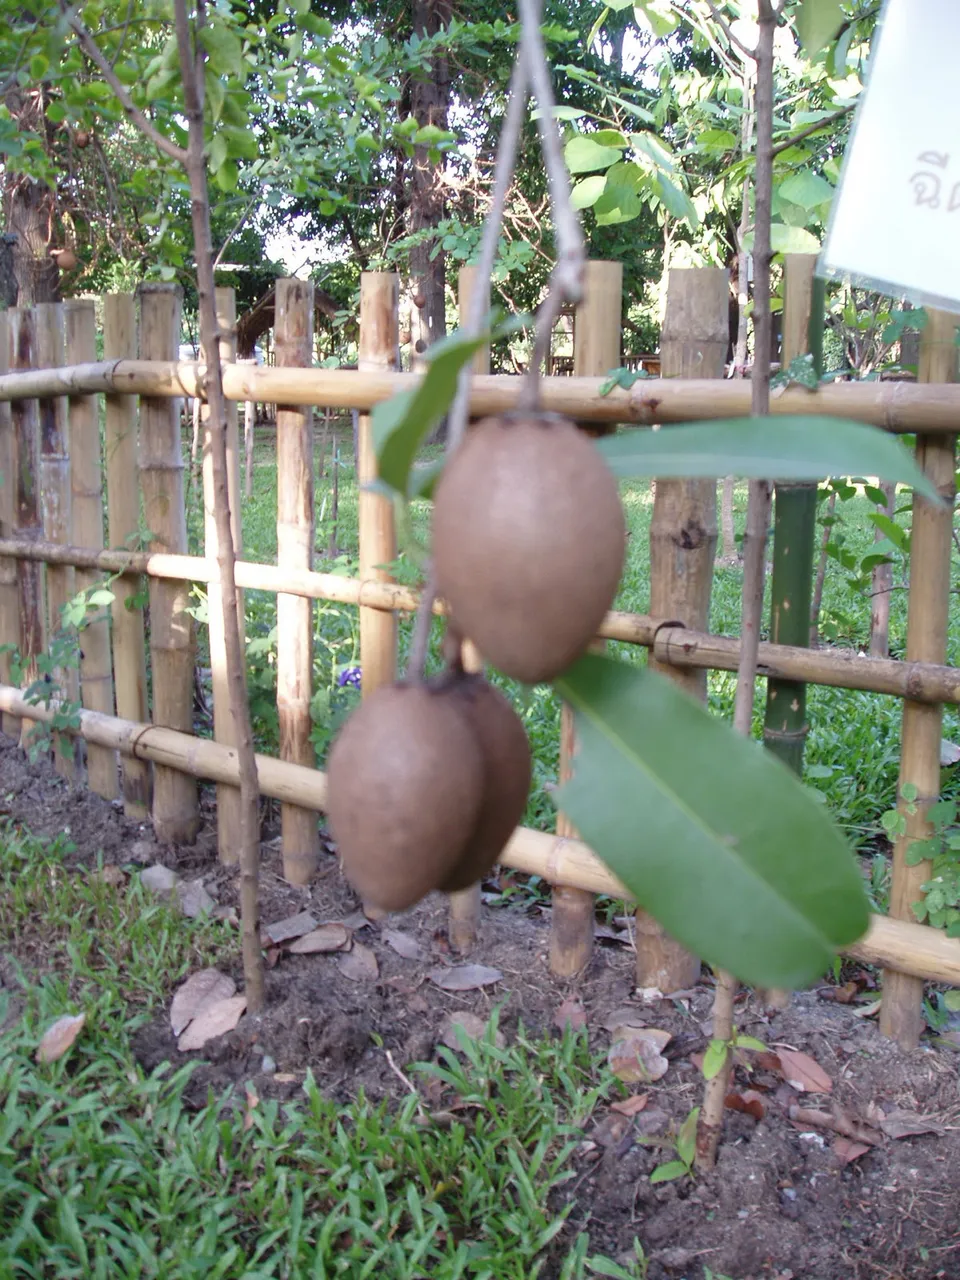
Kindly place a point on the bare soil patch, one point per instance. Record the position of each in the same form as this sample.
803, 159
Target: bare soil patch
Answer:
782, 1202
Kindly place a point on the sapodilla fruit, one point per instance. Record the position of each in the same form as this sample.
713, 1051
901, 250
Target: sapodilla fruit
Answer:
528, 542
405, 780
506, 775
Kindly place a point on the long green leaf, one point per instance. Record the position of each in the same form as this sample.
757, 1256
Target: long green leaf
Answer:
402, 423
734, 857
791, 447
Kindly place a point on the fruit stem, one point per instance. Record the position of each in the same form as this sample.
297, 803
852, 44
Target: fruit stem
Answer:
420, 643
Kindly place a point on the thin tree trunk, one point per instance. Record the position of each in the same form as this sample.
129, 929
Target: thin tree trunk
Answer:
192, 62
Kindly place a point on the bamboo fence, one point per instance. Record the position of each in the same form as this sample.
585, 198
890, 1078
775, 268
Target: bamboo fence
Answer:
142, 461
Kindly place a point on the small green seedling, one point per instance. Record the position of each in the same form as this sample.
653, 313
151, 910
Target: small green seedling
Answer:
686, 1148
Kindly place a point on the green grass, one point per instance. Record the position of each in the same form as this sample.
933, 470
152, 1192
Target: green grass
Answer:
853, 746
107, 1171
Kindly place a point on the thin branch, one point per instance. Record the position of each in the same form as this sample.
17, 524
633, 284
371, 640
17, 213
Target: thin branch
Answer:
135, 115
236, 227
825, 123
727, 30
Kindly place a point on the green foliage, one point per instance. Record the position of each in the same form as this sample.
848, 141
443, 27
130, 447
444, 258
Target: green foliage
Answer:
686, 1147
818, 21
940, 905
791, 447
711, 806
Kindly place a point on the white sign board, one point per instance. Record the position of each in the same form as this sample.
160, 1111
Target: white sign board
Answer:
895, 223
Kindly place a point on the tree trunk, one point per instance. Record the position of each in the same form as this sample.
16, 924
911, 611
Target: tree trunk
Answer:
28, 210
429, 101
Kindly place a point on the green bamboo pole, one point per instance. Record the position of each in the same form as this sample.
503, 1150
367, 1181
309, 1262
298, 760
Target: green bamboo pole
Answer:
785, 725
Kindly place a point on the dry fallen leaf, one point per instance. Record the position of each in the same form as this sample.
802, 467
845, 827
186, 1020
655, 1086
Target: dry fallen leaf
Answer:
750, 1102
571, 1013
471, 1023
867, 1010
630, 1106
291, 927
403, 944
847, 1150
802, 1072
328, 937
841, 995
194, 899
610, 1131
110, 874
271, 955
464, 977
253, 1101
906, 1124
285, 1077
59, 1036
359, 964
636, 1059
356, 920
216, 1019
201, 989
626, 1016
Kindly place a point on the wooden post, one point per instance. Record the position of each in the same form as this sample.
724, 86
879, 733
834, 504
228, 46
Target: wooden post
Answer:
249, 423
123, 521
9, 592
464, 918
25, 472
56, 508
683, 540
379, 352
901, 1011
176, 810
96, 669
228, 799
596, 350
293, 334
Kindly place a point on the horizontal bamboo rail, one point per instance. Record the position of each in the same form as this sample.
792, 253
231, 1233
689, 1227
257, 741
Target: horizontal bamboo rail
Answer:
900, 407
914, 949
838, 668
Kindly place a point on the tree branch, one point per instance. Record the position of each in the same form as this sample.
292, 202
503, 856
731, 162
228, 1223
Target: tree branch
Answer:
794, 138
135, 115
727, 30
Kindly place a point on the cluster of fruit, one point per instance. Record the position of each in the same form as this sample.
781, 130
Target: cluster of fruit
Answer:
428, 778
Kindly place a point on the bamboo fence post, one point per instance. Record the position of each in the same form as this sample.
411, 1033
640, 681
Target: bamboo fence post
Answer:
464, 906
123, 527
596, 350
176, 810
901, 1010
228, 799
56, 507
9, 592
683, 541
96, 669
785, 726
882, 584
293, 335
249, 423
25, 470
379, 352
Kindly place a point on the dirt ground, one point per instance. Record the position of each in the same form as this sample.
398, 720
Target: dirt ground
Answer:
785, 1202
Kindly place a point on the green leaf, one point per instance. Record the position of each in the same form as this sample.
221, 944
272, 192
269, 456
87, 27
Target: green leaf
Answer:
601, 1266
818, 21
402, 423
583, 155
784, 239
657, 15
714, 810
216, 92
687, 1137
951, 1000
750, 1042
39, 65
227, 176
806, 189
675, 201
101, 597
241, 143
716, 140
714, 1058
224, 48
560, 112
423, 479
667, 1172
650, 145
218, 151
587, 191
792, 447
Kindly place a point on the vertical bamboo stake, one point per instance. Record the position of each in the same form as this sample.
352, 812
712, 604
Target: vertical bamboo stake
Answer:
9, 592
176, 812
785, 725
228, 798
881, 585
123, 521
56, 504
901, 1011
683, 540
464, 919
379, 350
293, 333
25, 473
249, 422
596, 350
96, 669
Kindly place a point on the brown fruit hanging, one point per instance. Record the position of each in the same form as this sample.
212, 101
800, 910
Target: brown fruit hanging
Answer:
405, 781
66, 259
528, 542
81, 138
506, 775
